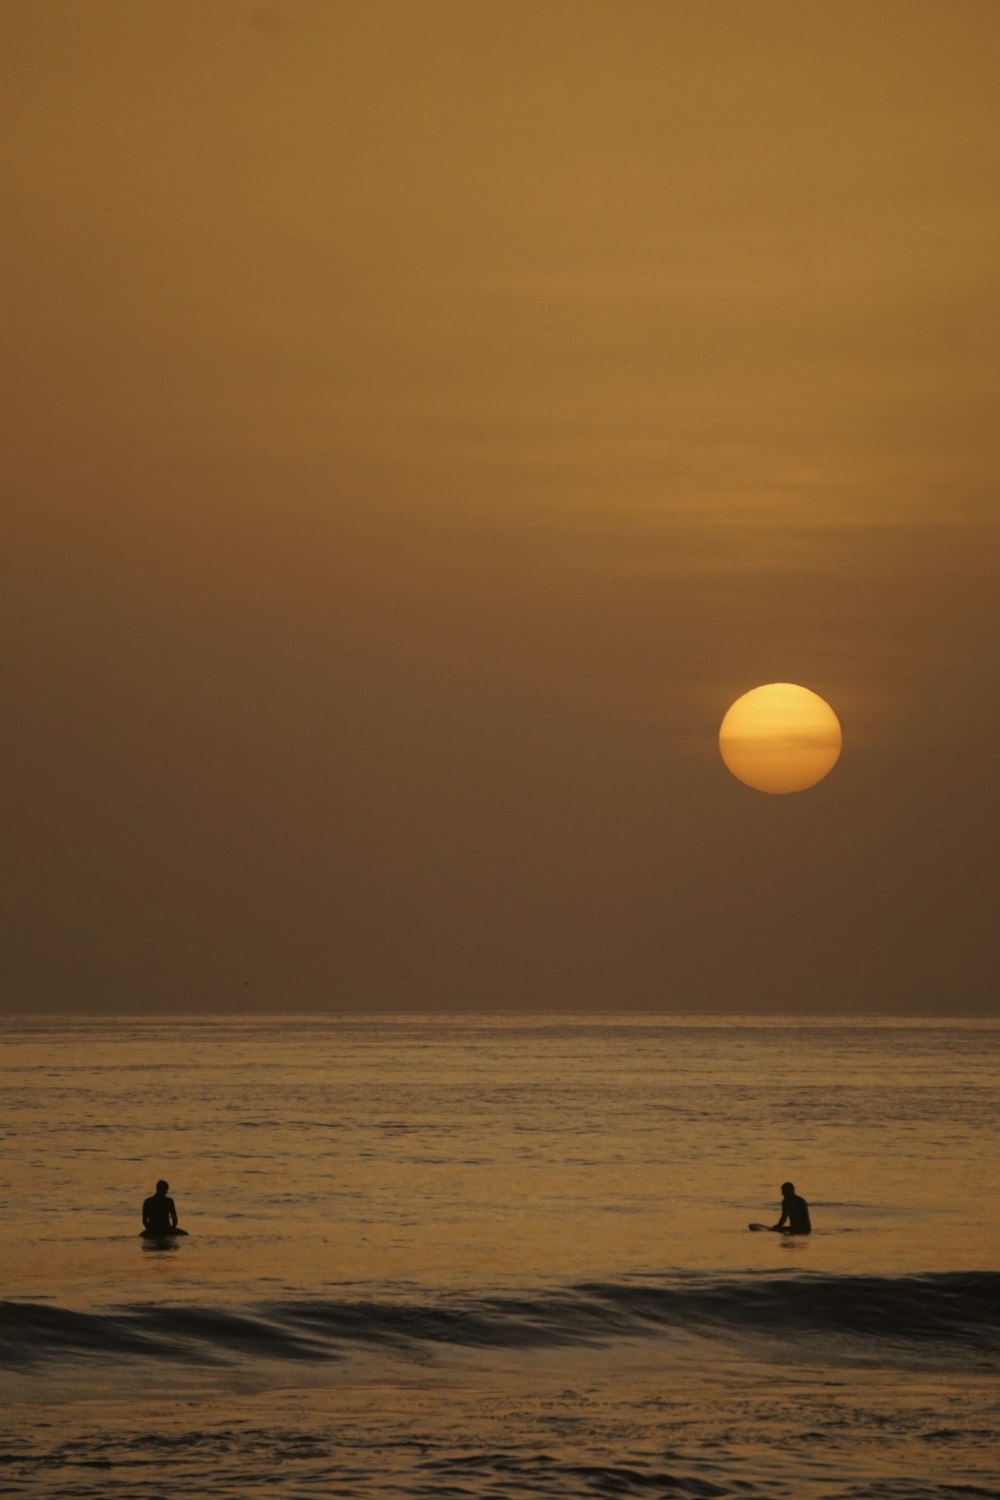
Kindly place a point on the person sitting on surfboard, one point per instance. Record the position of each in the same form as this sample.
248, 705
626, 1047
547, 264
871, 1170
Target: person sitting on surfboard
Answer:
159, 1215
795, 1210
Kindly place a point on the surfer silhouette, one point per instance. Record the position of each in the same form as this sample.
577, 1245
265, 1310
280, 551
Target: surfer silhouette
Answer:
794, 1212
159, 1216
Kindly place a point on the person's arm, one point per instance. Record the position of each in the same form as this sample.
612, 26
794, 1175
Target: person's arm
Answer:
145, 1214
784, 1216
171, 1213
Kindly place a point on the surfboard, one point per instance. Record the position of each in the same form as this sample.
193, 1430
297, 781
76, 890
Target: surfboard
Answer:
760, 1226
160, 1234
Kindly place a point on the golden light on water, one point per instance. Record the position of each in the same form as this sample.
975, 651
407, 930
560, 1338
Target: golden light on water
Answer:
780, 738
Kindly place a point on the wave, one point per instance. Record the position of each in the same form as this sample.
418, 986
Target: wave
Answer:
944, 1316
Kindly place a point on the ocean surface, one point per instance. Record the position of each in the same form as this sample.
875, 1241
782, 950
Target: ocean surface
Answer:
499, 1256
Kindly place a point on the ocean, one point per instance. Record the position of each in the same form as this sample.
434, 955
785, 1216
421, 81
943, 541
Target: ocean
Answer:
500, 1256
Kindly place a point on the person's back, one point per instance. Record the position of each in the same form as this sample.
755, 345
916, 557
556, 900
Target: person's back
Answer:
159, 1215
795, 1210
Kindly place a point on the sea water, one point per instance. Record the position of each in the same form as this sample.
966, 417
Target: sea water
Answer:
500, 1256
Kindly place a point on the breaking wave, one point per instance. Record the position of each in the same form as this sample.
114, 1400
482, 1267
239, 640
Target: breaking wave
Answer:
935, 1316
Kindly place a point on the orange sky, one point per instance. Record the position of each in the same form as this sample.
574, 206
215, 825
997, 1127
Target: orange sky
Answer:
422, 421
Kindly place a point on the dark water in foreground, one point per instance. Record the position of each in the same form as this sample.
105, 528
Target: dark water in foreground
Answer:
767, 1385
499, 1258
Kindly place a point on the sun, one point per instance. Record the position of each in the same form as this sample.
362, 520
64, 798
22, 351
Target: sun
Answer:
780, 738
